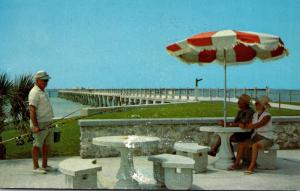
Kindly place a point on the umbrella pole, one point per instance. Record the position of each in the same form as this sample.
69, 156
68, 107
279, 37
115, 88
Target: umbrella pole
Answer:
225, 88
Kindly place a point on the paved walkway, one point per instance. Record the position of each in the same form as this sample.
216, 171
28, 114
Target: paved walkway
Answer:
17, 174
276, 105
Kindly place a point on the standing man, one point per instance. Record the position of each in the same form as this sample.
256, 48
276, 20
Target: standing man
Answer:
41, 115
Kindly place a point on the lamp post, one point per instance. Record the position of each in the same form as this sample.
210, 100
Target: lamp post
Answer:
196, 87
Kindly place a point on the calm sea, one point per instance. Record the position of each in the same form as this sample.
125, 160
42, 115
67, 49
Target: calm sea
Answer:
62, 107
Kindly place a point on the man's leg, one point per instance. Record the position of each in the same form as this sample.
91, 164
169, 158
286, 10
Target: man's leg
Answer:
38, 137
45, 151
233, 139
239, 155
35, 157
238, 138
215, 147
37, 145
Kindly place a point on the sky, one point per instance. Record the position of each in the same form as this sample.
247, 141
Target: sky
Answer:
121, 43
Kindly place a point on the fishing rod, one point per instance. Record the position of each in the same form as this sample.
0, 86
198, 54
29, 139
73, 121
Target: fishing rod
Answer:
19, 139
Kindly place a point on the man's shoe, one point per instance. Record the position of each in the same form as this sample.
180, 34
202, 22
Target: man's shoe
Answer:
39, 171
49, 169
212, 153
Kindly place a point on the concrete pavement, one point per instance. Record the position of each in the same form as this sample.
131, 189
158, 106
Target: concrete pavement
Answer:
18, 174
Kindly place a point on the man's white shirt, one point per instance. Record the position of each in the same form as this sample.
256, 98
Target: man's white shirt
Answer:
40, 100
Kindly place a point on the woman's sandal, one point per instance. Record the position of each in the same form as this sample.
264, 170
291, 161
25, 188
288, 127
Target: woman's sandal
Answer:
249, 172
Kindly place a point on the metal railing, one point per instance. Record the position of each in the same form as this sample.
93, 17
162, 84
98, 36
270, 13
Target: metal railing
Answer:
280, 96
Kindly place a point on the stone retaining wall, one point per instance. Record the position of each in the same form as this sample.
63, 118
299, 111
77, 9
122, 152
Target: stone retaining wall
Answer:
170, 131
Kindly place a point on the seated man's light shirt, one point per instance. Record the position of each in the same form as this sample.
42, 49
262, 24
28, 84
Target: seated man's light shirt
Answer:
40, 100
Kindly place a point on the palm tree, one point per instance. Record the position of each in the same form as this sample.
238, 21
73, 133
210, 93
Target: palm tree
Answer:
5, 94
19, 102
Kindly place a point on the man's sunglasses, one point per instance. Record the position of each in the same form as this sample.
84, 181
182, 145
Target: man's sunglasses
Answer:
45, 80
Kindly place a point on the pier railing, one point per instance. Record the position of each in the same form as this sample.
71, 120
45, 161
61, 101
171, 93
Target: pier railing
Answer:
117, 97
169, 92
165, 95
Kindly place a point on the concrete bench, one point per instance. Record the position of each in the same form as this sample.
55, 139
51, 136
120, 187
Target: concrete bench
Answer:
80, 173
266, 159
194, 151
173, 171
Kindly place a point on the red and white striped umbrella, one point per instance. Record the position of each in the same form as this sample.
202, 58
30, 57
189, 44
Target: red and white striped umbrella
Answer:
228, 47
239, 47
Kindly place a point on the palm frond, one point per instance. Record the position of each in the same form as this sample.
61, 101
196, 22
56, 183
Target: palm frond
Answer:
5, 85
5, 95
19, 107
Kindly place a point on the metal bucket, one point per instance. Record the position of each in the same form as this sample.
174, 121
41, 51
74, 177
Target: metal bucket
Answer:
56, 135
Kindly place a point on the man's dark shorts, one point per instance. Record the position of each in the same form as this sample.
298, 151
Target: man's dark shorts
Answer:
240, 137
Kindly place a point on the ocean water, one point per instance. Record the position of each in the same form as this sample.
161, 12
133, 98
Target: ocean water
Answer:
62, 107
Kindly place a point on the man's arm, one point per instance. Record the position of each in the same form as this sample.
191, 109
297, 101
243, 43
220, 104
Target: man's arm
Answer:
234, 124
32, 111
239, 123
229, 124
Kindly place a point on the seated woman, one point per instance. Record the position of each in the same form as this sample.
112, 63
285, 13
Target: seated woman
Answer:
262, 137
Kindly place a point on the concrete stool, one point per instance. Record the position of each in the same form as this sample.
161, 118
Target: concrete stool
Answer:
173, 171
266, 159
80, 173
194, 151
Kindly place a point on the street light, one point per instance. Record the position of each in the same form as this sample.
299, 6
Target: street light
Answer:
196, 87
197, 81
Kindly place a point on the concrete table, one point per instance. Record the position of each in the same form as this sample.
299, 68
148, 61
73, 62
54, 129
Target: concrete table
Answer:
125, 145
225, 154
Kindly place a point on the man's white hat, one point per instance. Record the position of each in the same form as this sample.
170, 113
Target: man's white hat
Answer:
245, 97
42, 75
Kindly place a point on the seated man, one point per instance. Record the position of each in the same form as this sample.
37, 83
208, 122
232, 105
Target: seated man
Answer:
244, 116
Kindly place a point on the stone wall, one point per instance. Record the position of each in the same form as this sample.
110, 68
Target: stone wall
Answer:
170, 131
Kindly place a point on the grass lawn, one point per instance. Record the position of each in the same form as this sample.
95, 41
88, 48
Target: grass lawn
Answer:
70, 133
186, 110
68, 145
